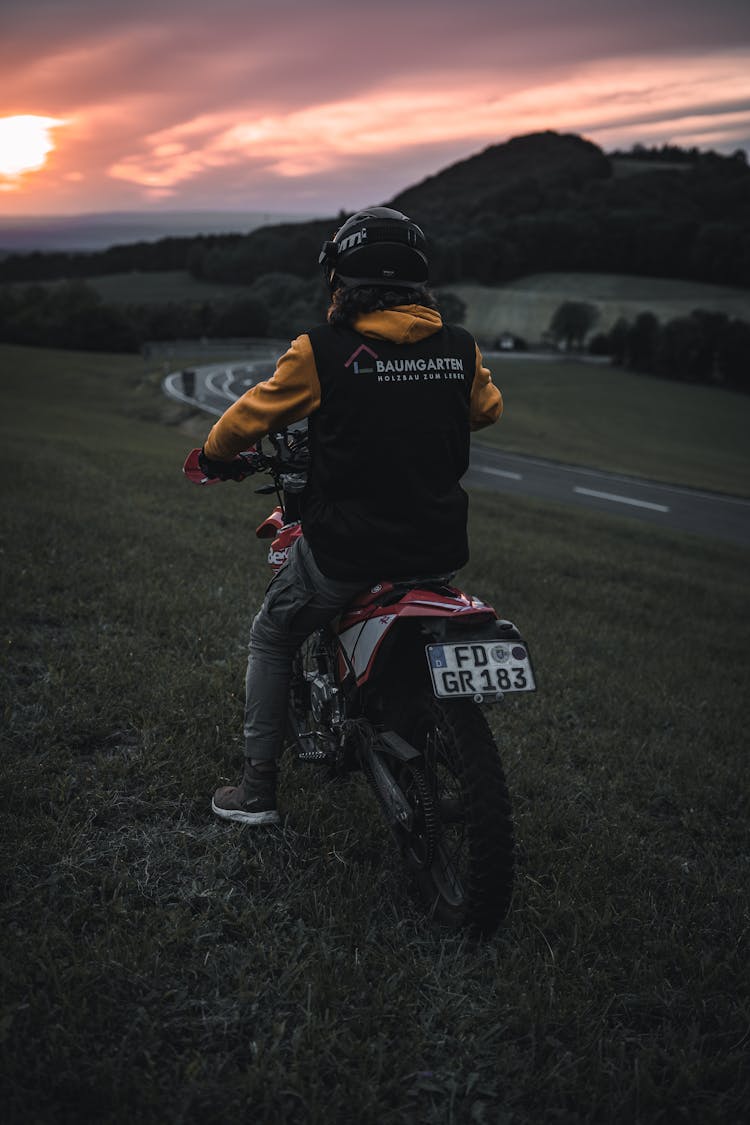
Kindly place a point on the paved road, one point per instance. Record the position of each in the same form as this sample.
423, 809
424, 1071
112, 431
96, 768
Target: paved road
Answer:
679, 509
666, 506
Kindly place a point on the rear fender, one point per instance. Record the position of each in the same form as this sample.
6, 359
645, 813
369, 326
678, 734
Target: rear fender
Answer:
434, 599
388, 615
445, 630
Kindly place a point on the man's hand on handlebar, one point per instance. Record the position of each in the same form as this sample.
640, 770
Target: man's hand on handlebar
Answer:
237, 469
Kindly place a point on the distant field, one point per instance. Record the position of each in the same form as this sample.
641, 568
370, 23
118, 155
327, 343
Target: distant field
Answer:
525, 307
159, 288
23, 233
160, 966
585, 414
606, 418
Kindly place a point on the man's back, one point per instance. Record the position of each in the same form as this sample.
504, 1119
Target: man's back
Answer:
389, 445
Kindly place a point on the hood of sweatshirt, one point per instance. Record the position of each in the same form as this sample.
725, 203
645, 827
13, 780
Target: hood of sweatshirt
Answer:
405, 324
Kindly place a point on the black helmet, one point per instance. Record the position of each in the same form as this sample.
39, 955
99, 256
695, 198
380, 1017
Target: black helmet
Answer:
377, 246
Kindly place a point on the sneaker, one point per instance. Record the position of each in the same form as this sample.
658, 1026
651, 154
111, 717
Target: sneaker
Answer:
253, 801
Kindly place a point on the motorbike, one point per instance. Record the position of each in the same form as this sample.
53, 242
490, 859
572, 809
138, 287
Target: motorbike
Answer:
395, 687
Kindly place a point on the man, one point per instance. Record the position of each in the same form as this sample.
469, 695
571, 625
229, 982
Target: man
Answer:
390, 395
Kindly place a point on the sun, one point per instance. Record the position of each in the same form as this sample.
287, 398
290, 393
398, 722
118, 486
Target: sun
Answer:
25, 143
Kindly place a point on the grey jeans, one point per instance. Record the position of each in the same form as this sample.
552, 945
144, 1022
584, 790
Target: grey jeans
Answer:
299, 600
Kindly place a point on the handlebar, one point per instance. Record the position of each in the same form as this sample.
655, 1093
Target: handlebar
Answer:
287, 464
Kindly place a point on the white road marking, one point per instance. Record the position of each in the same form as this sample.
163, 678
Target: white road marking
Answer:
557, 467
621, 499
497, 472
171, 383
206, 374
213, 374
226, 385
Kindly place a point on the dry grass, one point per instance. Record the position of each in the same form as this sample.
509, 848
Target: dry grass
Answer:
162, 967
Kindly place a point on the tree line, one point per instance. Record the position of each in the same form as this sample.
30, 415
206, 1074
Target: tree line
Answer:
704, 347
693, 225
686, 215
145, 257
71, 314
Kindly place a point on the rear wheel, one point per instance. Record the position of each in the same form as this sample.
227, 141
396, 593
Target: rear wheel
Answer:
465, 871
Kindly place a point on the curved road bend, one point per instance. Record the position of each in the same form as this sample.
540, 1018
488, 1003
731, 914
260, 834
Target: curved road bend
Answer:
708, 514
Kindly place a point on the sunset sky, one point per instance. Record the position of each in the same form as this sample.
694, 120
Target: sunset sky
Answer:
317, 106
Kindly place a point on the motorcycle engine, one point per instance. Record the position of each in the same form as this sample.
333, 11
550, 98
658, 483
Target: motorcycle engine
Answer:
324, 700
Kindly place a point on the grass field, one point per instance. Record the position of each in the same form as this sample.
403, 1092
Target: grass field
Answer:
598, 416
606, 418
159, 288
162, 967
526, 306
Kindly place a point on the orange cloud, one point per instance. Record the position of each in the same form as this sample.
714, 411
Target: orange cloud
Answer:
285, 105
609, 97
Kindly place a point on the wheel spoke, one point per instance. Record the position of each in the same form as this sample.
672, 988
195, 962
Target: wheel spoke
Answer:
447, 877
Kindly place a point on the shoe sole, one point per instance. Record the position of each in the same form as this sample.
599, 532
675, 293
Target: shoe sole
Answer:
270, 816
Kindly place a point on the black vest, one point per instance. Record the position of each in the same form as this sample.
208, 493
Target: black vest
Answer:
389, 445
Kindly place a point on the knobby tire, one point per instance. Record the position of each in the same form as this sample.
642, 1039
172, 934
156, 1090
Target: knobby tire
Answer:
461, 852
469, 882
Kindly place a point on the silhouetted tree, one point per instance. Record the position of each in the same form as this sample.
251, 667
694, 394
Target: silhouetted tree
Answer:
571, 321
71, 315
618, 338
248, 317
680, 350
734, 355
641, 343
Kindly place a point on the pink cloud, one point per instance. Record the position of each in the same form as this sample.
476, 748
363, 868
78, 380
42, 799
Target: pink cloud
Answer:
318, 138
265, 104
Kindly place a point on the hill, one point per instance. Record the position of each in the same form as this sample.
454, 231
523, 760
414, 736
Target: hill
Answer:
507, 179
161, 967
547, 202
550, 202
538, 203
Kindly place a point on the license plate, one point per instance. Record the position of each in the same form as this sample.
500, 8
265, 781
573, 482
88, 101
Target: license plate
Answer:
480, 668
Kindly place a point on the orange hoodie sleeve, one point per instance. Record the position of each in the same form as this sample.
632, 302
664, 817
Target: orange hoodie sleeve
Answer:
486, 402
292, 392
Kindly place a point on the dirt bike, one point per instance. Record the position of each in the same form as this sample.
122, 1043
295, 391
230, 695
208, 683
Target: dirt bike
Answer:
393, 687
